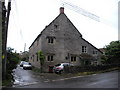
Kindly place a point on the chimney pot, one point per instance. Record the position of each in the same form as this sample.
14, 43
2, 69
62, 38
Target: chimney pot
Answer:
61, 9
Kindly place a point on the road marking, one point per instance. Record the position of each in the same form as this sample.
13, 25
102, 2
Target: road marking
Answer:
47, 81
91, 84
24, 84
94, 74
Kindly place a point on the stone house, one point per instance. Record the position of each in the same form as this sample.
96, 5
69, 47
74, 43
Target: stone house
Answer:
60, 42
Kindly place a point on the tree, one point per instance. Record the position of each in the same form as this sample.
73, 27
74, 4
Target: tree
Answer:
112, 52
42, 59
12, 61
103, 59
86, 59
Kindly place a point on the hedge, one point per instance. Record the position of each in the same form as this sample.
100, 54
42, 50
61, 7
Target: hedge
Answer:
75, 69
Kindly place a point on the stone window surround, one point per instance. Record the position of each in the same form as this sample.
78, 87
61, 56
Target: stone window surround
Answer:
73, 57
84, 49
33, 57
50, 57
50, 39
37, 57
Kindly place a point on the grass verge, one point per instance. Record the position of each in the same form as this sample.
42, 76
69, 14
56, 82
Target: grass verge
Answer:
37, 70
8, 82
97, 72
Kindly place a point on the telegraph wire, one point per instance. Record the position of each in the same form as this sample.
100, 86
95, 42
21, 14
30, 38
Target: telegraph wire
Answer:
19, 24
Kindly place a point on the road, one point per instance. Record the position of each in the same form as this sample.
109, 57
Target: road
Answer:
27, 79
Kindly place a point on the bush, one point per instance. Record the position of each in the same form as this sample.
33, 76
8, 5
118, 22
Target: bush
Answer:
11, 63
76, 69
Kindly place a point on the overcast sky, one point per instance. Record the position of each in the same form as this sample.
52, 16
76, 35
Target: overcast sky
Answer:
29, 17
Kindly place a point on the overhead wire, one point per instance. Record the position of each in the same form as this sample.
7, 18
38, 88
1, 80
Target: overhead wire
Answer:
80, 10
18, 21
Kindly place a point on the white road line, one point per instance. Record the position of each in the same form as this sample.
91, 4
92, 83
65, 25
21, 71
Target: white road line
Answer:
25, 84
47, 81
91, 84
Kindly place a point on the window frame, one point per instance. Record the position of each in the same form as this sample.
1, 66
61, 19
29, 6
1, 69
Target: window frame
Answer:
33, 57
50, 39
95, 52
37, 57
73, 58
50, 58
84, 49
37, 41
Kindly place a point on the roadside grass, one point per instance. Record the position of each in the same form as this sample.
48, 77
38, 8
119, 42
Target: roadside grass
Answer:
37, 70
88, 72
96, 72
0, 83
8, 82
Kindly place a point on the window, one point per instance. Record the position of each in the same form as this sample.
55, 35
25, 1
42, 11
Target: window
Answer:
73, 58
50, 57
51, 39
37, 41
33, 58
37, 56
56, 26
94, 52
84, 49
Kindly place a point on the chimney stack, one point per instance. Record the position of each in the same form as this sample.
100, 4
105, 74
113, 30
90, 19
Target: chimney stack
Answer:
61, 9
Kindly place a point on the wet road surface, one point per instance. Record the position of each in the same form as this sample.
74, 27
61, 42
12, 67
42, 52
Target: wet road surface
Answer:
27, 79
23, 77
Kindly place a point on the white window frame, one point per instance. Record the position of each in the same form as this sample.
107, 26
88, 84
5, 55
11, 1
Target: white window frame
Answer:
84, 49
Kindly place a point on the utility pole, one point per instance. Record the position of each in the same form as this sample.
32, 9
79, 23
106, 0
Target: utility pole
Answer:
5, 21
0, 40
24, 47
3, 41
